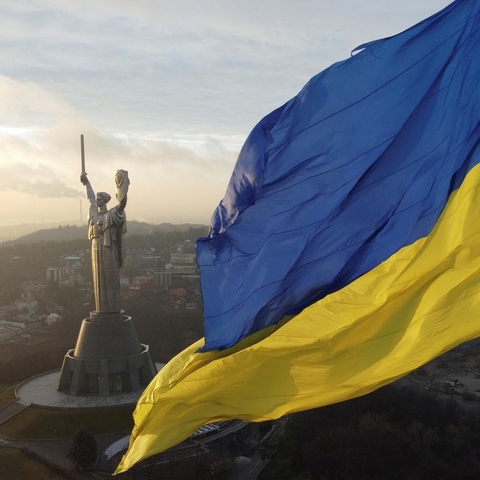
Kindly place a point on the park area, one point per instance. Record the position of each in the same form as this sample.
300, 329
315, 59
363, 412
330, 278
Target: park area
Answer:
15, 464
43, 423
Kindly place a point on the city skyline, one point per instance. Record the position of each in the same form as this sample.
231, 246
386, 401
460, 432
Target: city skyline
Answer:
166, 91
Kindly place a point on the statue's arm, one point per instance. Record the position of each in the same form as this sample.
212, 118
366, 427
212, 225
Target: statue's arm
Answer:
89, 189
121, 206
122, 182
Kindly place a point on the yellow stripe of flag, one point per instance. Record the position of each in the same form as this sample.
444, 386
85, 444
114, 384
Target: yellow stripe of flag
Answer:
415, 306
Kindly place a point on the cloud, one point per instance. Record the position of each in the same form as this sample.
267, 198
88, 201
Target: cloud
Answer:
50, 189
165, 90
197, 67
28, 104
175, 177
24, 179
186, 66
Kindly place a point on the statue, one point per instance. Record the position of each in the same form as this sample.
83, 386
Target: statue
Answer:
105, 231
108, 357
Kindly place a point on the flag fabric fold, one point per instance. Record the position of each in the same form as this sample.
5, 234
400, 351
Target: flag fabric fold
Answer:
419, 304
354, 207
359, 164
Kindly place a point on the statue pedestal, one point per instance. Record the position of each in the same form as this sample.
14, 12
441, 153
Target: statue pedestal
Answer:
108, 358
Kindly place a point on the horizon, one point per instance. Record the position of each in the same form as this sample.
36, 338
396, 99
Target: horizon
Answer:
11, 233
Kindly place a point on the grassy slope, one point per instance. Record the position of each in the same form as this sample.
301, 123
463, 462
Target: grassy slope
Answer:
16, 465
41, 423
7, 396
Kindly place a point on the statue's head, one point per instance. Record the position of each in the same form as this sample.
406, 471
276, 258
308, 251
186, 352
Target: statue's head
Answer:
102, 199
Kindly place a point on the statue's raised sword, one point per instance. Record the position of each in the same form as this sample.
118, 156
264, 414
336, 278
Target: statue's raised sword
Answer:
83, 155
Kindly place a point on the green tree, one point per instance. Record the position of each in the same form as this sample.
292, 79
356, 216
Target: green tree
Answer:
83, 451
393, 433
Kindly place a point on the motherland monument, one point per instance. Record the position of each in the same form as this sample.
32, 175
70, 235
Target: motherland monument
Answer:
108, 357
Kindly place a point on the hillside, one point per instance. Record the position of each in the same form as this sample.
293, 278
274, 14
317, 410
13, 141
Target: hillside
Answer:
11, 232
73, 232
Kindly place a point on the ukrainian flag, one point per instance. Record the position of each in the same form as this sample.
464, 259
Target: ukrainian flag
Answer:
354, 208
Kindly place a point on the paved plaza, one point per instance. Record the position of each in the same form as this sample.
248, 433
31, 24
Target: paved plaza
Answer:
42, 390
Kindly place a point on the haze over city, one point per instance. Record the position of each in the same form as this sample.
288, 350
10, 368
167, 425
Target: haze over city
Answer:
166, 90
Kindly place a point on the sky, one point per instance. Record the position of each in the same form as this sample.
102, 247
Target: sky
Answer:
167, 90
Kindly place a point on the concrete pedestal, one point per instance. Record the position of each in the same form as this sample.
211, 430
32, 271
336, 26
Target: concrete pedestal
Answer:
108, 358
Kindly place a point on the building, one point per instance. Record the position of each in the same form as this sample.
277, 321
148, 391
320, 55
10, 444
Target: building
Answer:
145, 284
211, 450
52, 319
34, 286
184, 254
143, 259
7, 310
7, 332
124, 281
73, 263
163, 279
26, 305
72, 279
55, 274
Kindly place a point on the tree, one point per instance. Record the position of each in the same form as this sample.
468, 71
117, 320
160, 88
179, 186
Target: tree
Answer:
83, 451
395, 433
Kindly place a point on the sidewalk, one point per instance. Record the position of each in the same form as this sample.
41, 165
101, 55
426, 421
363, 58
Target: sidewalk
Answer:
40, 390
54, 453
10, 410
